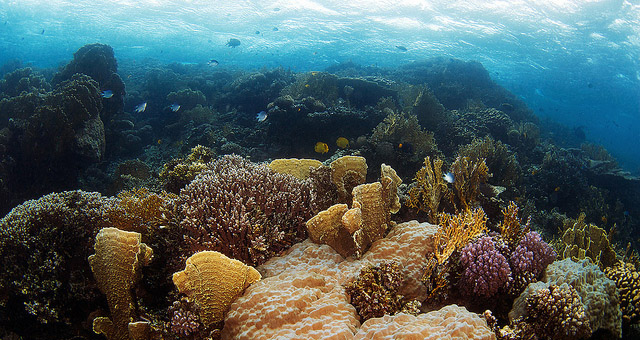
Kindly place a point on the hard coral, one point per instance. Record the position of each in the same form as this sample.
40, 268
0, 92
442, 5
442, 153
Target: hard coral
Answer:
177, 173
486, 270
213, 281
52, 283
116, 267
468, 174
374, 293
588, 241
532, 255
244, 210
627, 281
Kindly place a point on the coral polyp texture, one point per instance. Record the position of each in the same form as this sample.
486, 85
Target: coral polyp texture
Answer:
213, 281
116, 267
627, 280
532, 255
486, 270
244, 210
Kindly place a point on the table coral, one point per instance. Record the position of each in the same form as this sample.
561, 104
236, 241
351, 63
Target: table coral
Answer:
115, 265
213, 281
244, 210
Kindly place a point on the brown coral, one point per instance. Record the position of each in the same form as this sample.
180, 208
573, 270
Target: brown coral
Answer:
115, 265
299, 168
430, 189
346, 173
511, 227
589, 241
627, 280
468, 174
177, 173
213, 281
327, 228
457, 230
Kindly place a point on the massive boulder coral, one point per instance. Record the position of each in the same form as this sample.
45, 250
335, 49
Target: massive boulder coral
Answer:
244, 210
597, 293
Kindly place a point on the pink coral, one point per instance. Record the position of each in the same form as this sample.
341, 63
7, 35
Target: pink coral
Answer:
532, 255
486, 271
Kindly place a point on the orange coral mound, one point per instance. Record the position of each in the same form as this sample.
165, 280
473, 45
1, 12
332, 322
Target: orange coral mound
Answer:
213, 281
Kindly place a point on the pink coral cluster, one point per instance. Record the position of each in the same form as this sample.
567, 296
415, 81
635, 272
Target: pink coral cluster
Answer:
486, 270
244, 210
532, 255
184, 322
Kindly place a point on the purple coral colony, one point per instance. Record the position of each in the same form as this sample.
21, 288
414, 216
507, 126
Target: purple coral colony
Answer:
104, 200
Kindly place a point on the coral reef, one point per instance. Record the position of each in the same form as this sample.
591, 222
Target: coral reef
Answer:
500, 160
430, 189
597, 293
115, 265
53, 284
213, 281
299, 168
531, 256
244, 210
486, 270
588, 241
177, 173
449, 322
627, 280
187, 98
347, 172
374, 292
469, 175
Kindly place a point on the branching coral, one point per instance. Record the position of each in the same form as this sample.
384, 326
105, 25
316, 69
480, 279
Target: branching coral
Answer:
485, 270
244, 210
511, 227
457, 230
468, 174
627, 281
430, 189
374, 292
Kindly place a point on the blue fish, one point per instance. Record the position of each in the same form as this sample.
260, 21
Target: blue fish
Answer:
401, 48
175, 107
261, 116
140, 108
107, 94
448, 177
212, 62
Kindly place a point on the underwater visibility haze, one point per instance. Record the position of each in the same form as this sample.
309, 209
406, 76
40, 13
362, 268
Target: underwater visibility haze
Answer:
312, 169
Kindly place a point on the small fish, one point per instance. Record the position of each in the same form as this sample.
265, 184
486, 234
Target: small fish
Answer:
405, 148
42, 32
107, 94
213, 62
257, 32
401, 48
140, 108
556, 189
448, 177
275, 29
233, 42
175, 107
342, 143
261, 116
321, 148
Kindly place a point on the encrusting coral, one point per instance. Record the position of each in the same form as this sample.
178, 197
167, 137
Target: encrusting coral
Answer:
244, 210
213, 281
115, 265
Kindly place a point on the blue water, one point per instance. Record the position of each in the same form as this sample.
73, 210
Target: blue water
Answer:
574, 61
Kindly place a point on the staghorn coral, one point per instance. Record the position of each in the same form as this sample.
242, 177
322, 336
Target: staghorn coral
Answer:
346, 173
485, 270
430, 189
468, 174
244, 210
53, 284
115, 265
213, 281
588, 241
627, 280
374, 292
177, 173
299, 168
